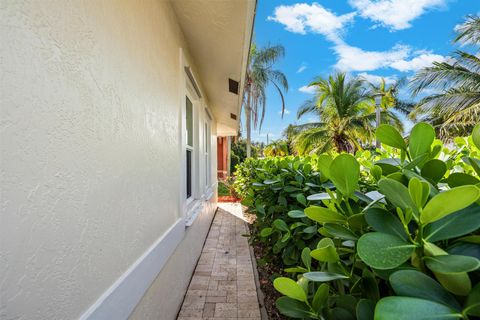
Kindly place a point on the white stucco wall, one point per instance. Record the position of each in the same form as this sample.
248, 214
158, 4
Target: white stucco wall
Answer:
90, 162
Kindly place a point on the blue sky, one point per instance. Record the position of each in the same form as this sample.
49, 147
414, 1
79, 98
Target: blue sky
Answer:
372, 38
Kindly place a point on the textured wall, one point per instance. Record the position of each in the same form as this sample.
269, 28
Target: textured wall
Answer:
89, 147
163, 299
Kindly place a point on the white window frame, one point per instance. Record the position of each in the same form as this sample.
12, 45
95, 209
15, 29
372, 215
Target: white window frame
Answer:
192, 149
207, 152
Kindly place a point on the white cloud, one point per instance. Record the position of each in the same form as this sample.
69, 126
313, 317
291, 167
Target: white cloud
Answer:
301, 68
372, 78
418, 62
400, 57
356, 59
395, 14
307, 89
285, 113
302, 18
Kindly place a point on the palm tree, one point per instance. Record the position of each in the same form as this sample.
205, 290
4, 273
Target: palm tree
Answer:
388, 95
346, 115
455, 108
259, 75
276, 148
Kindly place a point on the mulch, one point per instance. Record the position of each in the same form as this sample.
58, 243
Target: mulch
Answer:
266, 272
228, 199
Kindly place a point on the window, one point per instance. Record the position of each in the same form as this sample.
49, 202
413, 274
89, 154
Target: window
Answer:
189, 146
207, 154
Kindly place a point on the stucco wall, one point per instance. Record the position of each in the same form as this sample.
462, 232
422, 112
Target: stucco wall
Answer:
90, 162
164, 298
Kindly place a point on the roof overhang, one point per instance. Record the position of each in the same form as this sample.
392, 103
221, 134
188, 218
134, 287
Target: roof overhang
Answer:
218, 35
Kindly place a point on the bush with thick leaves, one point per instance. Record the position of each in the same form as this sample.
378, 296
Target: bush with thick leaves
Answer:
396, 231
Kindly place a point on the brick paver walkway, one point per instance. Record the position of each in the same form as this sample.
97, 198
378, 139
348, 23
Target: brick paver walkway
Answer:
223, 285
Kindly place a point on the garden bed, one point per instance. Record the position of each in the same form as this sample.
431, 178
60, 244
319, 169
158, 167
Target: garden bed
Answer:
265, 273
369, 235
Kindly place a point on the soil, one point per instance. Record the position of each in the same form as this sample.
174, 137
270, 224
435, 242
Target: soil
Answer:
265, 273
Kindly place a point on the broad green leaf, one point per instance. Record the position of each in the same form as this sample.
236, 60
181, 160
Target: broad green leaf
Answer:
454, 225
311, 229
412, 283
323, 215
290, 189
472, 306
295, 270
419, 191
268, 182
470, 239
390, 136
383, 251
324, 162
306, 258
434, 170
357, 221
266, 232
319, 197
407, 308
383, 221
365, 309
452, 263
280, 225
293, 308
339, 231
421, 138
448, 202
457, 179
376, 172
345, 174
465, 249
475, 163
325, 251
296, 214
456, 283
290, 288
397, 194
321, 296
301, 198
476, 136
323, 276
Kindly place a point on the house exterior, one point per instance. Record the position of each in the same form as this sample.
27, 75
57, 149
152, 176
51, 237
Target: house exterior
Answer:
110, 113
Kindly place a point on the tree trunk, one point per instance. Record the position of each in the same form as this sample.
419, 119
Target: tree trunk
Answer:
378, 145
248, 120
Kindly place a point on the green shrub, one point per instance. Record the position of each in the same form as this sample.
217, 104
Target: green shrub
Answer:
387, 235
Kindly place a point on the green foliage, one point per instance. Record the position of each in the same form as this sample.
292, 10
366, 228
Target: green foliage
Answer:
277, 148
454, 107
223, 190
388, 235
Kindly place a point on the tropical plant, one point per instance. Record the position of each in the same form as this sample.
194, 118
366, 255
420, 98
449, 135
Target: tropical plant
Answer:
276, 148
389, 99
238, 151
397, 232
346, 116
259, 75
455, 108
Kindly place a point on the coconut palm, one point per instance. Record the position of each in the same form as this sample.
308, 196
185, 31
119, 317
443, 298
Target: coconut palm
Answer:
276, 148
346, 116
259, 75
389, 99
455, 108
